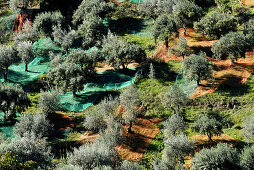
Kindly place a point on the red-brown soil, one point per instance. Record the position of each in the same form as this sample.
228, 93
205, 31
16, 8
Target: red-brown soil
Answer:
60, 121
247, 2
225, 72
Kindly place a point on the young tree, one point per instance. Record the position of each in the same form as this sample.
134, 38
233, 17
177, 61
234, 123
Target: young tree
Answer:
164, 27
64, 38
96, 7
185, 13
121, 53
31, 148
234, 45
178, 147
33, 123
12, 100
182, 48
248, 127
222, 156
197, 67
128, 99
92, 30
49, 102
151, 72
216, 24
7, 57
174, 99
173, 125
45, 22
25, 51
69, 76
208, 126
247, 158
155, 8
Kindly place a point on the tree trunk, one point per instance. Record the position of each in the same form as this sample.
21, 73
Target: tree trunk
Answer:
184, 32
198, 81
5, 73
183, 57
74, 92
210, 137
26, 66
178, 109
166, 42
123, 66
181, 159
129, 129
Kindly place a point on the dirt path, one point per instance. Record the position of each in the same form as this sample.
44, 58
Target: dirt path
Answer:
247, 2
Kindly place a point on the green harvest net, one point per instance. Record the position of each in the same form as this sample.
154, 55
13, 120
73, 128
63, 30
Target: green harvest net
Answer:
188, 87
107, 80
7, 130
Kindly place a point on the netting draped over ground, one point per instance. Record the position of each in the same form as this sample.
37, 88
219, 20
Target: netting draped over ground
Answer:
188, 87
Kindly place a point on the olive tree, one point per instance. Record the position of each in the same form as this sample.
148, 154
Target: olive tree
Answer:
92, 30
8, 57
44, 22
223, 156
197, 67
128, 99
155, 8
173, 125
186, 13
64, 38
128, 165
69, 76
248, 127
249, 30
182, 48
216, 24
25, 51
49, 102
33, 123
174, 99
233, 45
23, 4
12, 100
208, 125
164, 27
120, 53
96, 7
247, 158
177, 147
31, 148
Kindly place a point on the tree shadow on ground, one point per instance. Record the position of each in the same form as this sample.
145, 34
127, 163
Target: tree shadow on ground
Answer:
198, 49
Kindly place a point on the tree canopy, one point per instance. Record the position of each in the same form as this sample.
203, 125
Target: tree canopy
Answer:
216, 24
197, 67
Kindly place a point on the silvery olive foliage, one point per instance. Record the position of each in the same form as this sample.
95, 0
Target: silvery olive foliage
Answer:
12, 100
44, 22
155, 8
120, 53
128, 165
49, 102
38, 124
128, 99
164, 27
108, 105
248, 127
64, 38
68, 77
8, 57
233, 45
25, 51
182, 49
223, 156
96, 7
247, 158
173, 125
89, 156
176, 147
249, 30
15, 4
173, 99
186, 12
151, 72
197, 68
55, 59
208, 126
31, 148
62, 166
27, 33
216, 24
